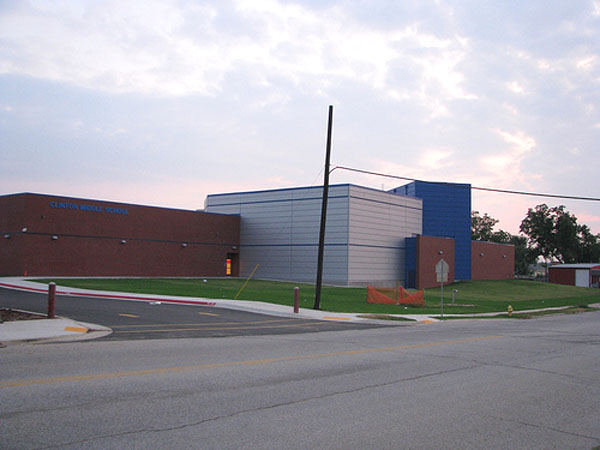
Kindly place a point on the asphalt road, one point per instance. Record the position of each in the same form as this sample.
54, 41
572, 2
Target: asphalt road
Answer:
142, 320
493, 384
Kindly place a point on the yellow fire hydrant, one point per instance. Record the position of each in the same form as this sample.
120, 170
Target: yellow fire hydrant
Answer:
510, 310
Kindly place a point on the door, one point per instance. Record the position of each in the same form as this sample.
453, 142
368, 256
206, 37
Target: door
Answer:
582, 278
231, 265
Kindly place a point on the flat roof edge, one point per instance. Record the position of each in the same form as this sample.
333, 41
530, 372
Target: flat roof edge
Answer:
300, 188
80, 199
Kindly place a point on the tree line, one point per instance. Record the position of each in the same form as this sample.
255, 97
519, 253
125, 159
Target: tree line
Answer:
549, 233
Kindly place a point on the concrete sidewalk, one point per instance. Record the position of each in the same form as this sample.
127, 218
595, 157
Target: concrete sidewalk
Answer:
49, 330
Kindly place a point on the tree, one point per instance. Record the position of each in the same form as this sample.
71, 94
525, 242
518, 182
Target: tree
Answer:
554, 234
538, 227
589, 247
482, 227
524, 256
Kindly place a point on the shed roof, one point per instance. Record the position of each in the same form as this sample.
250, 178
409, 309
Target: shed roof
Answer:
595, 266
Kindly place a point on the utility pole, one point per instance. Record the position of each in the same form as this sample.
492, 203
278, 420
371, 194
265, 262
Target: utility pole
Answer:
317, 304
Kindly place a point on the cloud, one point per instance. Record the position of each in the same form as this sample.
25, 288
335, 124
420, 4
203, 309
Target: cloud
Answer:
111, 131
436, 159
519, 142
163, 92
586, 63
112, 46
175, 49
506, 165
515, 86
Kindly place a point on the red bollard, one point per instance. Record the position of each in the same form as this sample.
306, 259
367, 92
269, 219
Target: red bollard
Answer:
296, 299
51, 299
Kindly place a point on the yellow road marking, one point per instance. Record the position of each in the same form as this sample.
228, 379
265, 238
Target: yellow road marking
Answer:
77, 329
136, 373
336, 318
208, 314
214, 327
129, 315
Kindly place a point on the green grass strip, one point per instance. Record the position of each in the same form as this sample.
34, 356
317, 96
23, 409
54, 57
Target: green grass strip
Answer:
472, 297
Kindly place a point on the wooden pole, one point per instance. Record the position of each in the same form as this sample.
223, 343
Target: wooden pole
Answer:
317, 304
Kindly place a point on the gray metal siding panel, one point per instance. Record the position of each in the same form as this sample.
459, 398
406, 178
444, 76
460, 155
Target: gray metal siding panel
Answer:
375, 265
382, 223
297, 263
280, 231
224, 209
378, 226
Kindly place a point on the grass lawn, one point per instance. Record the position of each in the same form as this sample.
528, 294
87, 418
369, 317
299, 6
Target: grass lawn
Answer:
526, 315
472, 296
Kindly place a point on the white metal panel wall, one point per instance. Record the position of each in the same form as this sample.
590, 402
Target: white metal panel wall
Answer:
379, 222
582, 277
280, 231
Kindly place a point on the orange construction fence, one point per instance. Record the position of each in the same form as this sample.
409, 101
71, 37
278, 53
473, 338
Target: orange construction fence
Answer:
395, 296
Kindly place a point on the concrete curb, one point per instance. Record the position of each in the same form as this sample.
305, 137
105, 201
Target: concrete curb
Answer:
49, 330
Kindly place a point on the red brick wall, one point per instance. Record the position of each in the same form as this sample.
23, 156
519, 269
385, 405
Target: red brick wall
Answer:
491, 261
428, 255
90, 235
561, 276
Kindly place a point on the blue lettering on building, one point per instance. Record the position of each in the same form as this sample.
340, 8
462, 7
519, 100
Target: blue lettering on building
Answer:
92, 208
63, 205
89, 208
116, 210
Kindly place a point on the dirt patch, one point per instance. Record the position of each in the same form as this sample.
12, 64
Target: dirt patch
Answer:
10, 315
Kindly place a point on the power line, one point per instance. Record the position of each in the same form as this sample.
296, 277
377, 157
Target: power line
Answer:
503, 191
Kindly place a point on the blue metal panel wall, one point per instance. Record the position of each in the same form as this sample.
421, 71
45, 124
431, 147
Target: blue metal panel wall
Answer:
408, 190
446, 213
411, 262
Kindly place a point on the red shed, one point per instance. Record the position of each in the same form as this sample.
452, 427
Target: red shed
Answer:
582, 275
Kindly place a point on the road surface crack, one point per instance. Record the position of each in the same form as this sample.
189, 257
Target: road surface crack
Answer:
545, 427
569, 376
258, 409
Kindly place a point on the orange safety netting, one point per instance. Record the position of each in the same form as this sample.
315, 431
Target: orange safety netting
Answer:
395, 296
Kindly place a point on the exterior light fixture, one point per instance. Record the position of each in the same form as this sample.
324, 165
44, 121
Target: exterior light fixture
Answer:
55, 238
24, 230
481, 254
504, 256
123, 241
7, 236
441, 252
184, 245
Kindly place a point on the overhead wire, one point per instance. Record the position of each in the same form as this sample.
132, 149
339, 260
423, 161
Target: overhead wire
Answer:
503, 191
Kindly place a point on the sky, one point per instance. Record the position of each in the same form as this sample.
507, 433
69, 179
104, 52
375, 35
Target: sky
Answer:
162, 102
